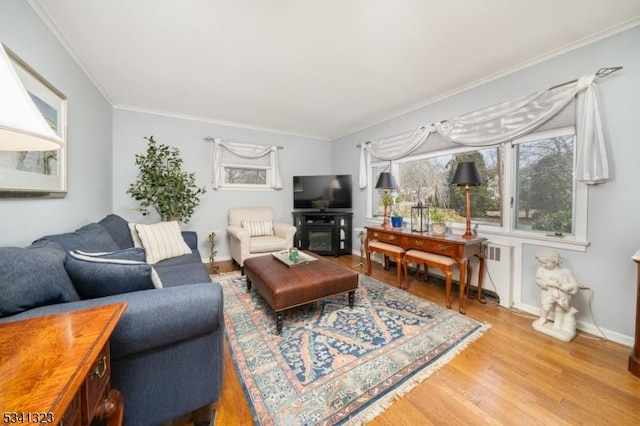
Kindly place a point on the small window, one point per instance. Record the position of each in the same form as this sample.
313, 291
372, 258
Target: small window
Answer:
236, 176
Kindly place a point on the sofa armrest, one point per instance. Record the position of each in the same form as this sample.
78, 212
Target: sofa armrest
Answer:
191, 238
153, 318
160, 317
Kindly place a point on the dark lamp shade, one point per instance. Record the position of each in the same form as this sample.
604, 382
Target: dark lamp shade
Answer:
386, 181
467, 174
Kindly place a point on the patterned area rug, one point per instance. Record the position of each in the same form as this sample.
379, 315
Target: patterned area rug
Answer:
336, 365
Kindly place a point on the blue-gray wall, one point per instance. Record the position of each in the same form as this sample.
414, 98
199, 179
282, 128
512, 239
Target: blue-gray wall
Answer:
613, 226
300, 156
89, 128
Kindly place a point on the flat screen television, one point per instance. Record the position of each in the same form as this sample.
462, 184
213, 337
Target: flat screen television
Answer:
322, 192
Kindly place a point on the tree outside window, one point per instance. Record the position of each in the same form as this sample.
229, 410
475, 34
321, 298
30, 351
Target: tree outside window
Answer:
545, 191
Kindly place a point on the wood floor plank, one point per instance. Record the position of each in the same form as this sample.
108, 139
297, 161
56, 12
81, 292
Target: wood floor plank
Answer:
511, 375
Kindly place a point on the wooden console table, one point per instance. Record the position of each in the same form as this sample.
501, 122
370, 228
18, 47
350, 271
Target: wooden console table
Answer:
55, 369
454, 246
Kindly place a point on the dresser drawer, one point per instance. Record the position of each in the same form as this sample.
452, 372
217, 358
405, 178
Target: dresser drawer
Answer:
386, 237
94, 389
71, 416
430, 246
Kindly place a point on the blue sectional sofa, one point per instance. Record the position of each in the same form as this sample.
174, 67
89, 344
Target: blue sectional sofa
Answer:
167, 349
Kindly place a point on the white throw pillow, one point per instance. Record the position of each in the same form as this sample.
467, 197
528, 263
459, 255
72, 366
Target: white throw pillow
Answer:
258, 229
162, 240
134, 235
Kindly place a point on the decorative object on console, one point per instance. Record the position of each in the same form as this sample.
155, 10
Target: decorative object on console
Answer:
25, 129
439, 226
162, 185
386, 182
558, 285
467, 175
420, 218
396, 215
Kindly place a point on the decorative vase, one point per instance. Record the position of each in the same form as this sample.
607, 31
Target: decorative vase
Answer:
438, 228
396, 221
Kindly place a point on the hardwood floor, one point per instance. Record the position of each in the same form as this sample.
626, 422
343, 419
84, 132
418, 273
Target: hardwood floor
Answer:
511, 375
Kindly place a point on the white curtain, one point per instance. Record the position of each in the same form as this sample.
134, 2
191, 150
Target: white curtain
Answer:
244, 150
509, 120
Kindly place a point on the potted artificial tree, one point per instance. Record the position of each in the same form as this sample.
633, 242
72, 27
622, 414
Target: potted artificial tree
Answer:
162, 185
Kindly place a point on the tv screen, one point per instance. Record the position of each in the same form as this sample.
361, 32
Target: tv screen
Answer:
322, 192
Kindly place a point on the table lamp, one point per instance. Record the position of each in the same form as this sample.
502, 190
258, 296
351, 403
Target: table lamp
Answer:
386, 182
467, 175
22, 126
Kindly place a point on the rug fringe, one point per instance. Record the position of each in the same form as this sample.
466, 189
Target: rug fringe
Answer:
386, 401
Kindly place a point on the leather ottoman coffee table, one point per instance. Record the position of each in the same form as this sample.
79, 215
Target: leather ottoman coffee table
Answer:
284, 287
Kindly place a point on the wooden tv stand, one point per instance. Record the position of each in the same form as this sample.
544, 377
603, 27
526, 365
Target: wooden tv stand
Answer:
55, 369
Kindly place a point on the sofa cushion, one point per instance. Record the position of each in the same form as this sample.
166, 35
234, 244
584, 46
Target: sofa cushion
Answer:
31, 277
90, 238
162, 240
259, 228
118, 228
182, 274
105, 274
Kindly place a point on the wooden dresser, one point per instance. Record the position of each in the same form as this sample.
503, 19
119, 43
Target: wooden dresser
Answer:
55, 369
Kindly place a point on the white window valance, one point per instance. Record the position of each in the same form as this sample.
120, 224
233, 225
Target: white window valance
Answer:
504, 122
245, 151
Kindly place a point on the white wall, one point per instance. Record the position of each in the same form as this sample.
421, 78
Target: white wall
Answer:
613, 230
300, 156
88, 129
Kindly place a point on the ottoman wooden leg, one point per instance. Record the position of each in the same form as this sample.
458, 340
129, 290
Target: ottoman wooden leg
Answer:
278, 322
352, 298
248, 285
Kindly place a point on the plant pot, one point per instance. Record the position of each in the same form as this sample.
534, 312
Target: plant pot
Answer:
438, 228
396, 221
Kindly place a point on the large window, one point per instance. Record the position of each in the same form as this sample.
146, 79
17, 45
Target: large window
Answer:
545, 195
426, 179
529, 186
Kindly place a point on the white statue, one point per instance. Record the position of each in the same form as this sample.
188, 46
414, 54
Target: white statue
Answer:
558, 285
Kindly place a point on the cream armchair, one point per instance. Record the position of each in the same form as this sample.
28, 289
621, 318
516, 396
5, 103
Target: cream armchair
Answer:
252, 232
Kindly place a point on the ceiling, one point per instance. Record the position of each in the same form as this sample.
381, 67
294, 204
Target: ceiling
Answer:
321, 69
